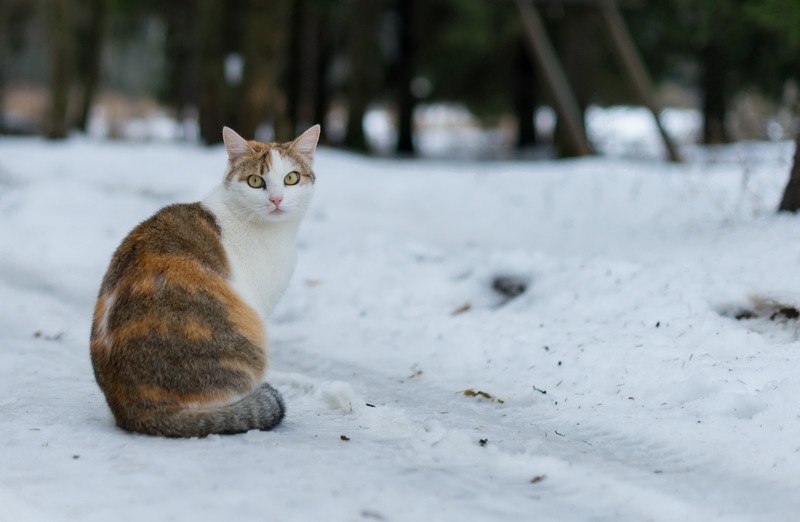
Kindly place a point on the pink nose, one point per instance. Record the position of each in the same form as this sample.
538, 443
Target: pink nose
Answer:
276, 200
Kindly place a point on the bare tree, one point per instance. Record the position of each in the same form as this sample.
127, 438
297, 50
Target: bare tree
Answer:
715, 90
181, 54
3, 32
306, 68
90, 55
363, 50
525, 88
211, 99
261, 98
406, 101
791, 195
59, 28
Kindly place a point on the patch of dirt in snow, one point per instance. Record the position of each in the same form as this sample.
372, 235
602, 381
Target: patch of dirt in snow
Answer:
777, 322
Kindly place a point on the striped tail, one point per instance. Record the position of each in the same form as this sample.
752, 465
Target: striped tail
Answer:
262, 410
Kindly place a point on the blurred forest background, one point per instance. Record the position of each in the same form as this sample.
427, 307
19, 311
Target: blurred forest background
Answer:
376, 72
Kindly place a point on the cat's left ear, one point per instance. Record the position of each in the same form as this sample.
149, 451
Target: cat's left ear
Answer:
235, 145
306, 143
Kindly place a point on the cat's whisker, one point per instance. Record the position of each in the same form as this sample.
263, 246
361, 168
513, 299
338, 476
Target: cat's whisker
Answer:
247, 214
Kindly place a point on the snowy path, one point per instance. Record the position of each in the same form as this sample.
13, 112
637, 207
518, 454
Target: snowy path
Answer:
595, 471
415, 455
659, 406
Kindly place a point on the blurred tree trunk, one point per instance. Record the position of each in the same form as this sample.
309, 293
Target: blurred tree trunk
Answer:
580, 62
4, 13
524, 97
90, 56
294, 78
406, 100
791, 195
211, 99
322, 92
180, 54
306, 75
59, 28
363, 49
714, 93
261, 97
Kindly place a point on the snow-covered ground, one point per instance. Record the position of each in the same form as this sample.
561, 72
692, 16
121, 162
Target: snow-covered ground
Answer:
623, 387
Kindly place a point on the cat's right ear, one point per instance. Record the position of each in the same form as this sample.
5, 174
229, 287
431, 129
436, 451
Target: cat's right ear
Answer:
306, 143
235, 145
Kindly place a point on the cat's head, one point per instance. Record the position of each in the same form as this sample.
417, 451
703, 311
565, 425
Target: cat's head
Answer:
269, 182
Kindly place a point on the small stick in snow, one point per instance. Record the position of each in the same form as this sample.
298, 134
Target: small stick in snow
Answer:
466, 307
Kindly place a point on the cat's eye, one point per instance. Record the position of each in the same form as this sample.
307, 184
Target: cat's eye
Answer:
292, 178
255, 181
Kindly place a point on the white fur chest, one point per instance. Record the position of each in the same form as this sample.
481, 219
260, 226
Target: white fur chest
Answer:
261, 257
260, 267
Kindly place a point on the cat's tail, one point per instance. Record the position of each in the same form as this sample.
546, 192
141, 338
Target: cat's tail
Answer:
261, 410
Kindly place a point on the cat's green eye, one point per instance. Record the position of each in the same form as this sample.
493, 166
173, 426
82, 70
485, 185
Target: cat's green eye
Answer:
292, 178
255, 181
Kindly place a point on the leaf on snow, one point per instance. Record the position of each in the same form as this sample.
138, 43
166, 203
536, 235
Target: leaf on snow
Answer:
482, 395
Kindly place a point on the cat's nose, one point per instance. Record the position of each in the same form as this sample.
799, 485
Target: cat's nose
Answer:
276, 200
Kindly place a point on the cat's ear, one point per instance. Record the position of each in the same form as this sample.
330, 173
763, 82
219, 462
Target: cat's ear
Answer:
235, 145
306, 143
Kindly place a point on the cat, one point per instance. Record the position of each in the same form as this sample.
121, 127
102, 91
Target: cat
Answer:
178, 344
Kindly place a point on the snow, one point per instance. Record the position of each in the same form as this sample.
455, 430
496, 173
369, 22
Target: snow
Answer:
447, 130
659, 404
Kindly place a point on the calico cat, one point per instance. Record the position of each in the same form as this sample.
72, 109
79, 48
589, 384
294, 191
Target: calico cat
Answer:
178, 343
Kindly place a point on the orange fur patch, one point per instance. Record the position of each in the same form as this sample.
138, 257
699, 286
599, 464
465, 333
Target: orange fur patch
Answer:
158, 395
195, 331
192, 277
246, 321
140, 328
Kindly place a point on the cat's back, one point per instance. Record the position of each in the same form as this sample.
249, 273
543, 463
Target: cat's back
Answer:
177, 238
165, 304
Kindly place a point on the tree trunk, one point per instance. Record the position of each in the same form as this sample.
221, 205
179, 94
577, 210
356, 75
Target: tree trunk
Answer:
261, 99
580, 62
364, 55
322, 92
211, 98
294, 77
3, 50
406, 70
305, 79
59, 28
714, 94
554, 76
180, 54
524, 97
791, 195
90, 56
